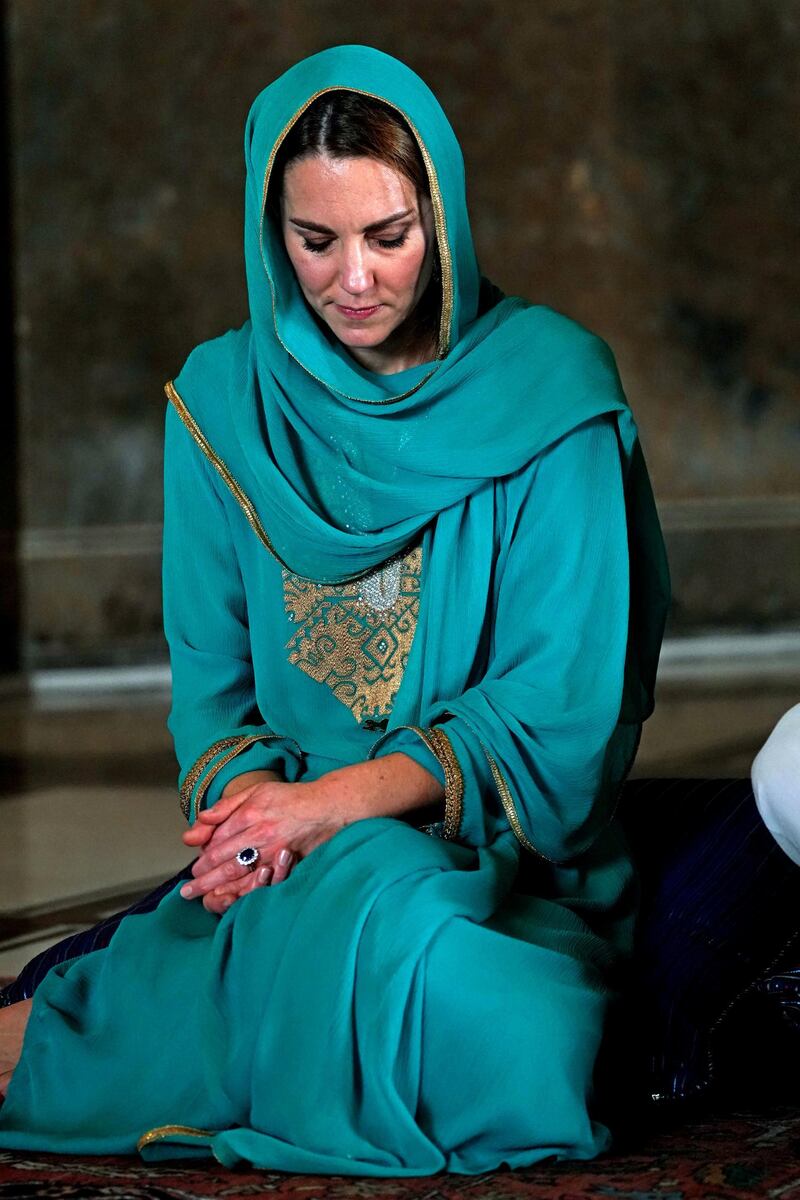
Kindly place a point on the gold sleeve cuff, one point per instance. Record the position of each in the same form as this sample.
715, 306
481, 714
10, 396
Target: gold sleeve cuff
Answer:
228, 748
442, 747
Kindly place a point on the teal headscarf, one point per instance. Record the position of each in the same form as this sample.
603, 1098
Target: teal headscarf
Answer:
337, 468
304, 429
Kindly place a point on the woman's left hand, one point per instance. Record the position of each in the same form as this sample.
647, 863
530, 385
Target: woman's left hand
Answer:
272, 817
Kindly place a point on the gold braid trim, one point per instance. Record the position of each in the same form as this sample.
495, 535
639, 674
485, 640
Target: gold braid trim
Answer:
453, 781
507, 800
503, 790
244, 502
191, 804
441, 747
241, 498
197, 769
165, 1131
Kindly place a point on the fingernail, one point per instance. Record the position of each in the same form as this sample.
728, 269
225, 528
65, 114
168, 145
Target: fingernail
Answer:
262, 875
284, 856
187, 891
227, 902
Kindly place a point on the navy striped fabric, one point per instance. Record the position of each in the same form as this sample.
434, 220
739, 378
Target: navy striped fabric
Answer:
720, 911
77, 944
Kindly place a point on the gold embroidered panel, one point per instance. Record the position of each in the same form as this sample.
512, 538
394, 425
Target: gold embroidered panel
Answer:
356, 637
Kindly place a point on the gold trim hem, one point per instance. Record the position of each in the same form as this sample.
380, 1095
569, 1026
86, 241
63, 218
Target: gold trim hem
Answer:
244, 502
165, 1131
196, 770
454, 781
507, 800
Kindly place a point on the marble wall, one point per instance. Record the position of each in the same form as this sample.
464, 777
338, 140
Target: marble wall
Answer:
632, 164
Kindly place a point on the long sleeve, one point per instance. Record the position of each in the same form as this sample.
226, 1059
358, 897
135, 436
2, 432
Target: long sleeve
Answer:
217, 729
538, 743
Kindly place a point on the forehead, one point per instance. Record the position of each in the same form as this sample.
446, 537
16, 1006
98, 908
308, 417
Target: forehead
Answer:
358, 190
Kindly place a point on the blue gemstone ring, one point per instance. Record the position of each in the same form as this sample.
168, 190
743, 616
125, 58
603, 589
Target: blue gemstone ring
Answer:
248, 857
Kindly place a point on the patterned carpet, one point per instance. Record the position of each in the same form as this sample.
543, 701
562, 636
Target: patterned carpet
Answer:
738, 1156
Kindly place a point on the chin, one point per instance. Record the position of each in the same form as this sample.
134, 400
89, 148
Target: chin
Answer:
360, 336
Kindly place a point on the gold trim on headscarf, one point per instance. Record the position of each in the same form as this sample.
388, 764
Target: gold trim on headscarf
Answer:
439, 219
240, 496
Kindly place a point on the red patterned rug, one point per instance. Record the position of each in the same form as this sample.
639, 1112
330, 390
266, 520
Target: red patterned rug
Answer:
738, 1156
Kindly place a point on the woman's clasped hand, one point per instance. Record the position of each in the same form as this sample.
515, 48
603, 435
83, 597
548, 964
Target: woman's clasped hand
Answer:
283, 821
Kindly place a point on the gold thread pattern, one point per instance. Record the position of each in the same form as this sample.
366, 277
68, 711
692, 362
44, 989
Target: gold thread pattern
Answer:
165, 1131
197, 769
453, 781
441, 747
507, 800
439, 219
356, 637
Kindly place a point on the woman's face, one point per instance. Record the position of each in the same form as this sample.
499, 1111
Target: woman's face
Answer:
361, 243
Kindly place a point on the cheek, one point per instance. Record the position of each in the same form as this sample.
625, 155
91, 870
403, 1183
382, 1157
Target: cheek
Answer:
405, 271
312, 273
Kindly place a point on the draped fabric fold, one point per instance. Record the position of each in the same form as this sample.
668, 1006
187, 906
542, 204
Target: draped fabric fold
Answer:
346, 1054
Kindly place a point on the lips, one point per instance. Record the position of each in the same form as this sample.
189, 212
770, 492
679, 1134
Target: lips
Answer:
358, 314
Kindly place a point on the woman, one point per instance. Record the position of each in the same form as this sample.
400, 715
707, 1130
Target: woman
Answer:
396, 503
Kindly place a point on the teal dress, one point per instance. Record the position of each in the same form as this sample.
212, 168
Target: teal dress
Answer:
489, 603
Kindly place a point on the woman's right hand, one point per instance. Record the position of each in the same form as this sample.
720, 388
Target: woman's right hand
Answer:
222, 897
199, 834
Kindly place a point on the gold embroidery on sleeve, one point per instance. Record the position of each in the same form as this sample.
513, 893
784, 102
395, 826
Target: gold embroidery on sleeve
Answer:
356, 637
441, 747
507, 800
234, 746
197, 769
454, 781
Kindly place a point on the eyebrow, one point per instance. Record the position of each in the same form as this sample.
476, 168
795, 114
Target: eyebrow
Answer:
376, 225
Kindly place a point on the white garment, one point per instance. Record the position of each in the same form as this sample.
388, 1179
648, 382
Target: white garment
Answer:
776, 782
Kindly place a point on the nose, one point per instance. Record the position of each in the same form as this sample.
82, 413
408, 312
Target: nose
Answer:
356, 276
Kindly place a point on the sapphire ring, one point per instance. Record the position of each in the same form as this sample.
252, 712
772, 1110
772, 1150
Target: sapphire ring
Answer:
248, 857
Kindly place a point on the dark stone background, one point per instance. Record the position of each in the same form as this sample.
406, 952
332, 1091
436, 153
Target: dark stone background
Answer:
632, 164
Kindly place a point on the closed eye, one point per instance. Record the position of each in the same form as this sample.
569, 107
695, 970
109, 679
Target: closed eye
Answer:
384, 243
393, 243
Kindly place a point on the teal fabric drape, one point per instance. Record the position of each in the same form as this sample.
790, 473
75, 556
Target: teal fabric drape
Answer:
399, 1005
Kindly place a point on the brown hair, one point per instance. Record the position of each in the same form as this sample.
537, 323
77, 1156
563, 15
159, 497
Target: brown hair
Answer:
345, 124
